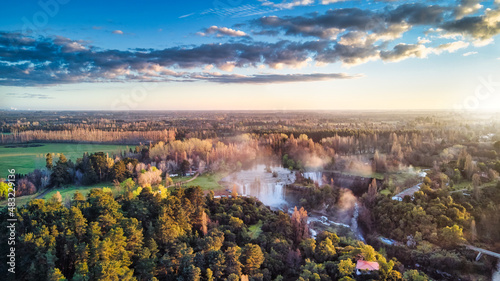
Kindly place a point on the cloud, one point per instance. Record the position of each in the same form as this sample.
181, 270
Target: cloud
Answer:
481, 27
453, 46
287, 4
222, 31
97, 27
275, 78
246, 10
403, 51
117, 32
327, 2
334, 21
185, 16
469, 54
349, 36
30, 96
467, 7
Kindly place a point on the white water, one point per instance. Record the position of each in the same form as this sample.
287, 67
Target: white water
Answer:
496, 273
314, 176
354, 222
259, 183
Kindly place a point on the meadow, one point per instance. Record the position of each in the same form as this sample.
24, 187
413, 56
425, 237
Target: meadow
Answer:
27, 157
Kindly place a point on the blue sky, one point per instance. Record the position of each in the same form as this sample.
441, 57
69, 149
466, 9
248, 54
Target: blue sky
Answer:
234, 54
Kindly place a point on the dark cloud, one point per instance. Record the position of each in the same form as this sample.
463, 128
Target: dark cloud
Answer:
60, 60
479, 27
332, 22
418, 14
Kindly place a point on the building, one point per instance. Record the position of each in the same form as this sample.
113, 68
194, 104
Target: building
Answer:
366, 267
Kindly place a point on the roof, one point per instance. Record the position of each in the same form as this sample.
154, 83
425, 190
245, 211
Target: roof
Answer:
367, 265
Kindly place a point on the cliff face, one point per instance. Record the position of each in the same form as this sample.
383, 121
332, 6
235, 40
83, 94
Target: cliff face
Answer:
357, 184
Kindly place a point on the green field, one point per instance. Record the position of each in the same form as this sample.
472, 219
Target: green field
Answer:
24, 158
206, 181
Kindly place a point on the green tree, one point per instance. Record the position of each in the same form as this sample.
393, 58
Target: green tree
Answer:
233, 264
49, 161
252, 258
415, 275
325, 250
452, 236
56, 275
346, 267
119, 171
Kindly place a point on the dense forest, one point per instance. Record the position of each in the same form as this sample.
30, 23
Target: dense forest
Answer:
181, 235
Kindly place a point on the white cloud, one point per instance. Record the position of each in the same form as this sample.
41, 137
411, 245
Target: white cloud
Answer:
222, 31
453, 46
117, 32
185, 16
287, 5
469, 54
326, 2
482, 43
423, 40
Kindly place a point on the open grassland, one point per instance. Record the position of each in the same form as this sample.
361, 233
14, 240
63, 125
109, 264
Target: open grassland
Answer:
24, 158
206, 181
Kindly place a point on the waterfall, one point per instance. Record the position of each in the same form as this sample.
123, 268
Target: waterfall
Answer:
314, 176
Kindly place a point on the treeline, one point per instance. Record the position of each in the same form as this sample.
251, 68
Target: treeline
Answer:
89, 136
181, 235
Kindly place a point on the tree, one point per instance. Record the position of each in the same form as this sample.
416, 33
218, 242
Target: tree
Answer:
185, 167
325, 250
119, 171
451, 236
308, 247
346, 267
233, 264
49, 161
4, 190
56, 198
252, 258
56, 275
60, 172
415, 275
299, 224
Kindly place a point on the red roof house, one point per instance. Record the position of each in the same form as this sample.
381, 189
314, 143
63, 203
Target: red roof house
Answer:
363, 267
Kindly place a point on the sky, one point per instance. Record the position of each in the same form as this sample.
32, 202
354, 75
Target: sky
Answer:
250, 55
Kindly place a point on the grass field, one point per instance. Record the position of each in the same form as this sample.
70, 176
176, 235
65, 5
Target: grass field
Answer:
206, 181
27, 157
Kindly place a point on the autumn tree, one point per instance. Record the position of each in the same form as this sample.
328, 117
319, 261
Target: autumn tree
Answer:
299, 224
